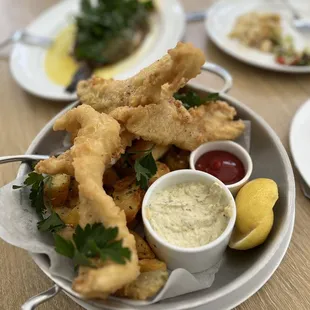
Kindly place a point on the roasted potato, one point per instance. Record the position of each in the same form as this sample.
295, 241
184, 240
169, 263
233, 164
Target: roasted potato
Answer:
72, 217
67, 232
73, 196
159, 151
145, 286
110, 177
56, 190
124, 166
143, 248
152, 264
134, 223
176, 159
128, 196
141, 145
161, 170
68, 216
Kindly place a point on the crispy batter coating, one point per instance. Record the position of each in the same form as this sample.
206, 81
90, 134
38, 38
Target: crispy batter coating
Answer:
91, 153
176, 68
170, 123
55, 165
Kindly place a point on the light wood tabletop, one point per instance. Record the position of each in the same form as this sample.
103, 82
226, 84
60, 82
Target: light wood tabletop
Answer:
274, 96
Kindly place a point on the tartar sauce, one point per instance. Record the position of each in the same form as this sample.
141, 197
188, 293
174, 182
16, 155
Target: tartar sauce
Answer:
189, 214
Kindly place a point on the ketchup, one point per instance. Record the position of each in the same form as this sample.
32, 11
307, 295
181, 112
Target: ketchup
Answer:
223, 165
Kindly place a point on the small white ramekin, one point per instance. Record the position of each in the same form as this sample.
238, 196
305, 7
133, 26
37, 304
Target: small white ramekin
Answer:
195, 259
231, 147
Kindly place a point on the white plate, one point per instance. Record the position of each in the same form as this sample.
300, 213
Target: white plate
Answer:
238, 296
220, 21
299, 140
27, 62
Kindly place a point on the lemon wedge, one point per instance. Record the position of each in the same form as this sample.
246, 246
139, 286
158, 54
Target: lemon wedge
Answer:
254, 202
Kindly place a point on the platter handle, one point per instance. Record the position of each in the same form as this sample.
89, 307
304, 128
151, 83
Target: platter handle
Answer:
34, 301
222, 73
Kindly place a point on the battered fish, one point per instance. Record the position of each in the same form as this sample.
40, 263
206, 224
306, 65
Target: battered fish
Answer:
97, 141
176, 68
170, 123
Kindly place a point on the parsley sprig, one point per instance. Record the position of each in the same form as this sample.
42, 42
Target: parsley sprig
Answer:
94, 241
53, 223
191, 99
144, 166
36, 183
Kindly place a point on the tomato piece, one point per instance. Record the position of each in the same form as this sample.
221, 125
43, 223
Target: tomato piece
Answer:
281, 60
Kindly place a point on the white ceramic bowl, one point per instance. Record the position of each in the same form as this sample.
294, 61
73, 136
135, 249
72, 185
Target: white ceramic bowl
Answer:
231, 147
194, 259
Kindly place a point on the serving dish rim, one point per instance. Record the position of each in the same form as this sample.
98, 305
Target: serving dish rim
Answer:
248, 274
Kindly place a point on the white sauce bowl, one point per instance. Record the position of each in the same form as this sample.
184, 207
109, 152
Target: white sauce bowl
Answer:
231, 147
194, 259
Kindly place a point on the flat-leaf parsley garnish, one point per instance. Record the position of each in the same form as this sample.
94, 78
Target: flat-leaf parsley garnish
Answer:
94, 241
191, 99
52, 223
145, 166
36, 183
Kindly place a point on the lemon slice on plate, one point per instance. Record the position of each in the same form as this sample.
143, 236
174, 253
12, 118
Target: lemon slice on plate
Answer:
255, 202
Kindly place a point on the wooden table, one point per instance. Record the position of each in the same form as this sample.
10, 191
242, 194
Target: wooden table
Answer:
274, 96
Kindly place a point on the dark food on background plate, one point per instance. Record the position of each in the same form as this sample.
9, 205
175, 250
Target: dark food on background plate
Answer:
139, 124
107, 33
263, 31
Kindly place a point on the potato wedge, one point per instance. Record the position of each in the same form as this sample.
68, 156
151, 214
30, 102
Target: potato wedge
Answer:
57, 189
72, 217
128, 196
124, 167
67, 232
73, 196
141, 145
152, 264
162, 169
176, 159
143, 248
68, 216
110, 177
145, 286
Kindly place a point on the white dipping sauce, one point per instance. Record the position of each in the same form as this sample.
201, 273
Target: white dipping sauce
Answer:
190, 214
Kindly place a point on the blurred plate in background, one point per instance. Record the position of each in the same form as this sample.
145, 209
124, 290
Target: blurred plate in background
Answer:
299, 141
27, 62
220, 22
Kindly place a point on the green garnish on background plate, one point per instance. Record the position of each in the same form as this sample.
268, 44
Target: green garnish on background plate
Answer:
108, 32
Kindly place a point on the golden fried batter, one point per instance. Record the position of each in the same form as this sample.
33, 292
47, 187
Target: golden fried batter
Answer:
170, 123
55, 165
177, 67
97, 141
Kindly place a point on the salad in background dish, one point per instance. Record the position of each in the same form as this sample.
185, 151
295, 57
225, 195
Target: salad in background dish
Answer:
102, 35
263, 31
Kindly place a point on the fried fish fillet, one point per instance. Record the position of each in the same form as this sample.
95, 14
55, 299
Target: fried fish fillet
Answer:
97, 141
170, 123
176, 68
